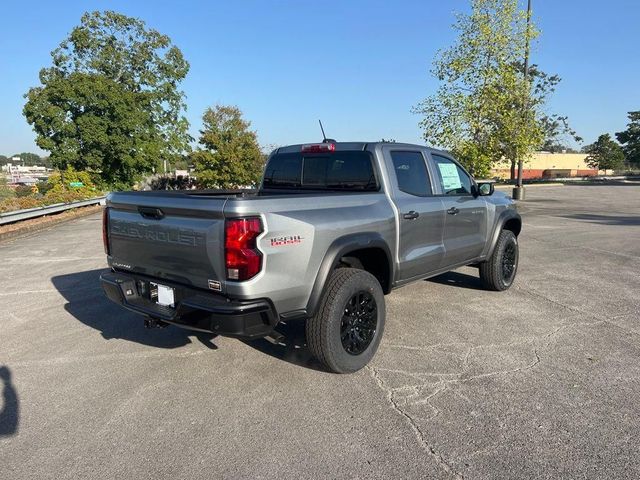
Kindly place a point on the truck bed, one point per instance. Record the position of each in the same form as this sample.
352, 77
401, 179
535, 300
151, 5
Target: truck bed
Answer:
179, 236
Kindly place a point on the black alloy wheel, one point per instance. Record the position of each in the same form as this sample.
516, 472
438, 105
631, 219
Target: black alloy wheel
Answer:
509, 262
499, 271
359, 322
345, 332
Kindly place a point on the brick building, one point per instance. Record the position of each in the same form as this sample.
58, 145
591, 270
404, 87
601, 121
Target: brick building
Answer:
552, 165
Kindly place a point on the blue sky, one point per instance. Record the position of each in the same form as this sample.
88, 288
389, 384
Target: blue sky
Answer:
358, 65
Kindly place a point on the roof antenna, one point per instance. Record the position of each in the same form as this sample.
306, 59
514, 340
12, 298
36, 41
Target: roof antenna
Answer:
324, 137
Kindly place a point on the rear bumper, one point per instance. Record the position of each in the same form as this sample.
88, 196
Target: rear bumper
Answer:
194, 309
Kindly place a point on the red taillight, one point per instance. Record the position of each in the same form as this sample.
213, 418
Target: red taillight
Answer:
242, 257
319, 147
105, 229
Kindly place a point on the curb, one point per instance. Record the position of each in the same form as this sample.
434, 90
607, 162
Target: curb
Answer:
537, 185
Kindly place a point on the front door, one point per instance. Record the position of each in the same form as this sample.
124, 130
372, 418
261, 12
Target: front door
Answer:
421, 216
465, 224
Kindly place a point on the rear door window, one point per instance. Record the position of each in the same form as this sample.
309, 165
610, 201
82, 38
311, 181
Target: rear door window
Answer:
411, 173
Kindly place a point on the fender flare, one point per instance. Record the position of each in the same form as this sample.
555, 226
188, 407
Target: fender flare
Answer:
503, 218
339, 248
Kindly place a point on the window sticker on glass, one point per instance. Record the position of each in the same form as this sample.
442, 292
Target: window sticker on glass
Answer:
450, 177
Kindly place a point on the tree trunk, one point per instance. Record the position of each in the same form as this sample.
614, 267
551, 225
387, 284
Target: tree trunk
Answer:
513, 169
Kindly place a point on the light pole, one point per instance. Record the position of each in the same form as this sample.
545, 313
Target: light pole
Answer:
518, 191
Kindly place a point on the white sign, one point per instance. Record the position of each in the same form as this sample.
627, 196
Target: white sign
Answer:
450, 177
165, 296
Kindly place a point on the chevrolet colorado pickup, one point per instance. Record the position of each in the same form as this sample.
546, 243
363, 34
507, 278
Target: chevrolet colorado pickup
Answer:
332, 229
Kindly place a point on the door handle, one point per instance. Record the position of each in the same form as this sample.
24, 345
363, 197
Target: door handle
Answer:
412, 215
151, 213
453, 211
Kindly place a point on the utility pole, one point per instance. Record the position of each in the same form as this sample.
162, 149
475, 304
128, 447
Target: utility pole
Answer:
518, 191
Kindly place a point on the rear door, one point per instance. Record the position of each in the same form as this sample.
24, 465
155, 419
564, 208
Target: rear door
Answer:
421, 217
465, 225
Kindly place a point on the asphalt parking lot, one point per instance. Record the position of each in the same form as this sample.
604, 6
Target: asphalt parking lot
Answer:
542, 381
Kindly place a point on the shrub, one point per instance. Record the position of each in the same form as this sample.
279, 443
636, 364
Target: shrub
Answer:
56, 189
19, 203
23, 191
5, 191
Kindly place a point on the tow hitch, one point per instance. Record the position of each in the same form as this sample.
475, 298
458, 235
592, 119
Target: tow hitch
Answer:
150, 322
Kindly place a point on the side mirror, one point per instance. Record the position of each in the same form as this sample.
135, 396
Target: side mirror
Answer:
485, 189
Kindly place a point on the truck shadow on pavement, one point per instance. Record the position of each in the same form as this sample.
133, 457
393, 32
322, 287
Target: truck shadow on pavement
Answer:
622, 220
291, 347
10, 412
458, 279
87, 302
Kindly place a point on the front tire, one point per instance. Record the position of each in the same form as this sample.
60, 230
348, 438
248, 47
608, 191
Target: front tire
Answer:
499, 271
345, 332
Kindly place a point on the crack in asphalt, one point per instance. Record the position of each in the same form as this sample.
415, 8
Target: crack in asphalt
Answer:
444, 383
533, 293
430, 449
620, 327
599, 318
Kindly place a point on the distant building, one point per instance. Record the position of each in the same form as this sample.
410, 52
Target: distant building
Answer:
9, 168
552, 165
24, 175
26, 181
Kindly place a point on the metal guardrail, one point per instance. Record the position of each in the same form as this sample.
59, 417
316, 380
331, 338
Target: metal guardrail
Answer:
26, 214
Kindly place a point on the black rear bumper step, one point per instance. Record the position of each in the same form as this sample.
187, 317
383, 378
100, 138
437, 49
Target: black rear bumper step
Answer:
194, 309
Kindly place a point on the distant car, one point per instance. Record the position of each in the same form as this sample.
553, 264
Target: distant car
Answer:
332, 229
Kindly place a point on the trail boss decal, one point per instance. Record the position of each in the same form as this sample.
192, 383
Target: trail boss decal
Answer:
286, 240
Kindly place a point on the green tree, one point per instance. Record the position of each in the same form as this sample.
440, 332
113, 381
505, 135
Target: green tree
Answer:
29, 159
630, 139
46, 161
556, 131
231, 156
110, 102
604, 154
485, 110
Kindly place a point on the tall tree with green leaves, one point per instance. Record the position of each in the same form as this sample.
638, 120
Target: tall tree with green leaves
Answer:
604, 154
28, 158
630, 139
485, 110
110, 101
230, 156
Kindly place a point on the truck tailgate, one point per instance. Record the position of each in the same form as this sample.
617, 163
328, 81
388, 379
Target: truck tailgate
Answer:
171, 236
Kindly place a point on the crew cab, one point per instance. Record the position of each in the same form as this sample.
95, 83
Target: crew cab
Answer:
331, 230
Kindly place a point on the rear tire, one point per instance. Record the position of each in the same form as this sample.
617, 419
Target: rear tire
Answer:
499, 271
345, 332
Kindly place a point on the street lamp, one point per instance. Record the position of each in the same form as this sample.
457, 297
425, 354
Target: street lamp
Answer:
518, 191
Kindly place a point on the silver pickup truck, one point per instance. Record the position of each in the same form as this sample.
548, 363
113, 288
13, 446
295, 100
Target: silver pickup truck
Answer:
333, 227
